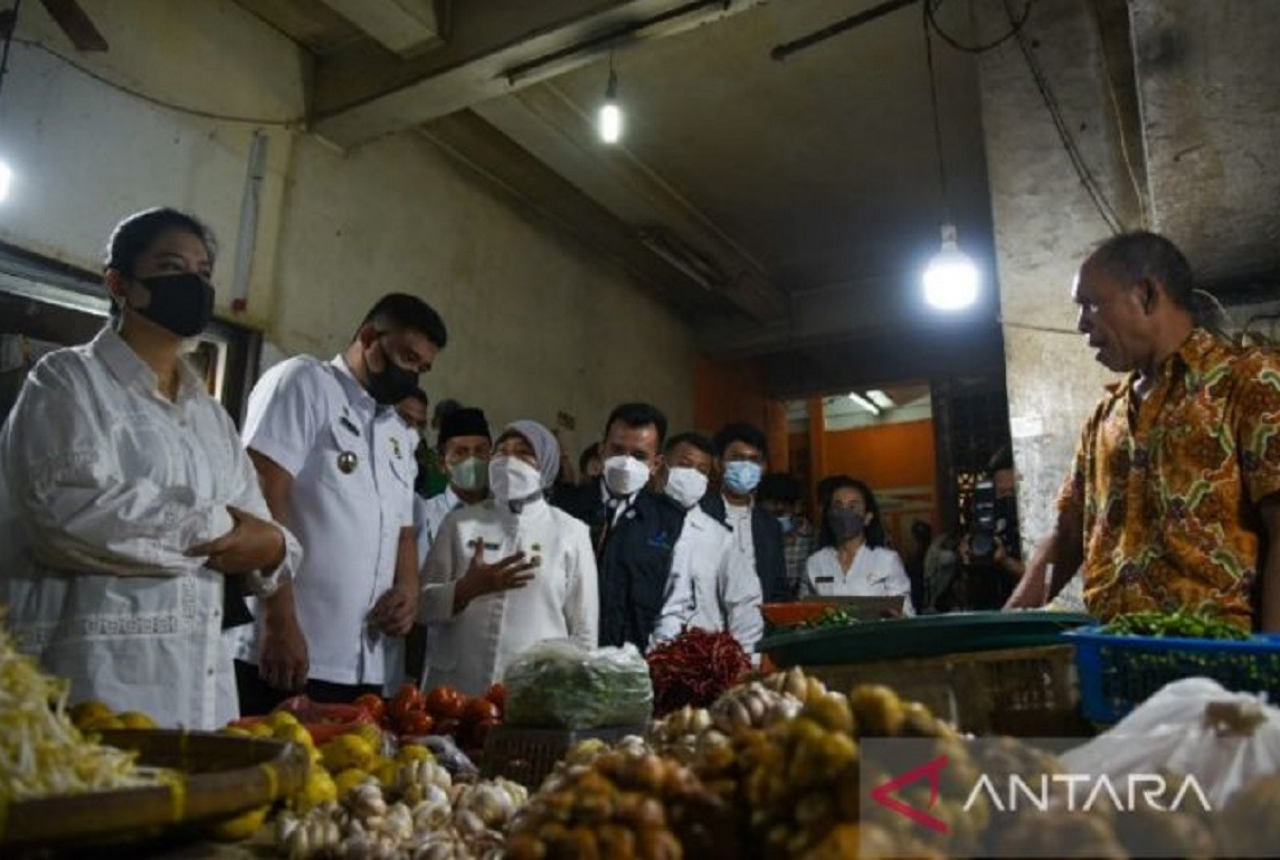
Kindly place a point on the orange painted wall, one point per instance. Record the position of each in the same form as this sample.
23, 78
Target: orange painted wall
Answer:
896, 460
727, 391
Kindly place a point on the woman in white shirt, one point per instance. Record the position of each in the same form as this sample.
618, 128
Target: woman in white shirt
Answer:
853, 560
126, 496
508, 573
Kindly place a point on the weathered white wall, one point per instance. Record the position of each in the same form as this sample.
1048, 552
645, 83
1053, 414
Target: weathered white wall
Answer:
1045, 227
84, 154
538, 324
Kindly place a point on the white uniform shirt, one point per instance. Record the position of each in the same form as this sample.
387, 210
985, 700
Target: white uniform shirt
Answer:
738, 518
472, 649
312, 418
711, 585
429, 515
875, 572
104, 484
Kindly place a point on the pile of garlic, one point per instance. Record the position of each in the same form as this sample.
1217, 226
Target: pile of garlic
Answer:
433, 819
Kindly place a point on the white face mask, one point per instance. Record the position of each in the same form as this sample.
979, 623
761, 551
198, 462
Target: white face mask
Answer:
624, 475
686, 485
513, 480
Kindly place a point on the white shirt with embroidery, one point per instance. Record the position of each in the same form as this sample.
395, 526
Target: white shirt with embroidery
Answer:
875, 572
352, 493
105, 483
471, 649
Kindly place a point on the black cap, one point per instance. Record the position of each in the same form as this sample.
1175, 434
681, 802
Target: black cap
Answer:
466, 421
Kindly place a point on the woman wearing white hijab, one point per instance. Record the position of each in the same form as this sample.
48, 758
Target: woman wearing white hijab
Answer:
508, 573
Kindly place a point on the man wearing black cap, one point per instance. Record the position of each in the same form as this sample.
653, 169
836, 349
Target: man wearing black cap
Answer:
463, 448
464, 445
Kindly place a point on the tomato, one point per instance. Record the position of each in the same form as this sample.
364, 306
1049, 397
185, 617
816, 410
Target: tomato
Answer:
445, 703
478, 710
416, 724
407, 700
372, 705
498, 695
448, 727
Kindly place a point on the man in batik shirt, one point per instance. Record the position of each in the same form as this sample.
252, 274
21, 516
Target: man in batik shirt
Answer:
1175, 496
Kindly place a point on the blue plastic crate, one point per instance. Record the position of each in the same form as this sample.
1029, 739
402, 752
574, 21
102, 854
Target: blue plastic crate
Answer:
1117, 673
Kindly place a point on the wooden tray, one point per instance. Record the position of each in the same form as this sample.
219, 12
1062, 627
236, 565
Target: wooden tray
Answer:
221, 775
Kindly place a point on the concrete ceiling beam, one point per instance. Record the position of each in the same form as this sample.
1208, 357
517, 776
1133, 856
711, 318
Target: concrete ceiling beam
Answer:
406, 27
558, 133
541, 191
494, 48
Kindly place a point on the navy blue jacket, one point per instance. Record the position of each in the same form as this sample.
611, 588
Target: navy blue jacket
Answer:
633, 559
766, 534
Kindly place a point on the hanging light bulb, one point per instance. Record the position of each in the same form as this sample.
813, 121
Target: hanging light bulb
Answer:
951, 278
610, 114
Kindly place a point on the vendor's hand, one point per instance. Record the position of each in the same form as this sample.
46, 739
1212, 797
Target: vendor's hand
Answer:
503, 575
283, 662
395, 611
252, 544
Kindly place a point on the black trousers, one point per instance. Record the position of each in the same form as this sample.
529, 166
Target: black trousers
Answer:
257, 697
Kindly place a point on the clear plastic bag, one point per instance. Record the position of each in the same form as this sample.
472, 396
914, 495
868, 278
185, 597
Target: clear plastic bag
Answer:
1192, 727
559, 685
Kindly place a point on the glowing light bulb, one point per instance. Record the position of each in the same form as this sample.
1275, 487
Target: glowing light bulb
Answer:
610, 122
951, 278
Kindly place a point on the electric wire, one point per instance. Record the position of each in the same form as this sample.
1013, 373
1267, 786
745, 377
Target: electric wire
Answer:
1015, 27
937, 121
1139, 196
294, 122
8, 40
1091, 185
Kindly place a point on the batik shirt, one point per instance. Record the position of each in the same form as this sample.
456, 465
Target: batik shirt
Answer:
1168, 488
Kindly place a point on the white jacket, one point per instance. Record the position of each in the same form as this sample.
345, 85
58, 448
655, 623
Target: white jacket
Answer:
711, 586
104, 485
471, 650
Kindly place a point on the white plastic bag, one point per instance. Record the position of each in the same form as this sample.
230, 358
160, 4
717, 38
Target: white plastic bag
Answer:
1193, 728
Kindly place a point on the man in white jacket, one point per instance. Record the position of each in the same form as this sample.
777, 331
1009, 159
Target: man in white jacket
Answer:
710, 587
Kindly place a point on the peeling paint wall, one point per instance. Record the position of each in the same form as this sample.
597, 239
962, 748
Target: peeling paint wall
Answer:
1045, 227
538, 323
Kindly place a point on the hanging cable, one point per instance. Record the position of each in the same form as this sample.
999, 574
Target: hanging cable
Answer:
11, 27
1091, 185
295, 122
1015, 27
937, 121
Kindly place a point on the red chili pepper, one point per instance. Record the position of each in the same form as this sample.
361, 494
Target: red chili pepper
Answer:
694, 669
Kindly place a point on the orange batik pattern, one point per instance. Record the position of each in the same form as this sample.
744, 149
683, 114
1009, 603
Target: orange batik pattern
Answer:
1168, 488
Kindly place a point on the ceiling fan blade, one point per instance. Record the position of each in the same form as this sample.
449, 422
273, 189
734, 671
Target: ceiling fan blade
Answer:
76, 24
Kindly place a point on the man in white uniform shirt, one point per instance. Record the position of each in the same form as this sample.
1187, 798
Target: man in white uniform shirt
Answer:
335, 466
464, 446
742, 452
711, 586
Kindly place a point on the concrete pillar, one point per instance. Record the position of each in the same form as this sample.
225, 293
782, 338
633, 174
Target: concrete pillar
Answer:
1045, 225
775, 429
817, 448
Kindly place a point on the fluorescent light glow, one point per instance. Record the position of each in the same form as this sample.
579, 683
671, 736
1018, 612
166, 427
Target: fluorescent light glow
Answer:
951, 278
879, 398
864, 403
610, 122
6, 179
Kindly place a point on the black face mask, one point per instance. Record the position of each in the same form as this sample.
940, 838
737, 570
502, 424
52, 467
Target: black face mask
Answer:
182, 304
393, 383
845, 523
